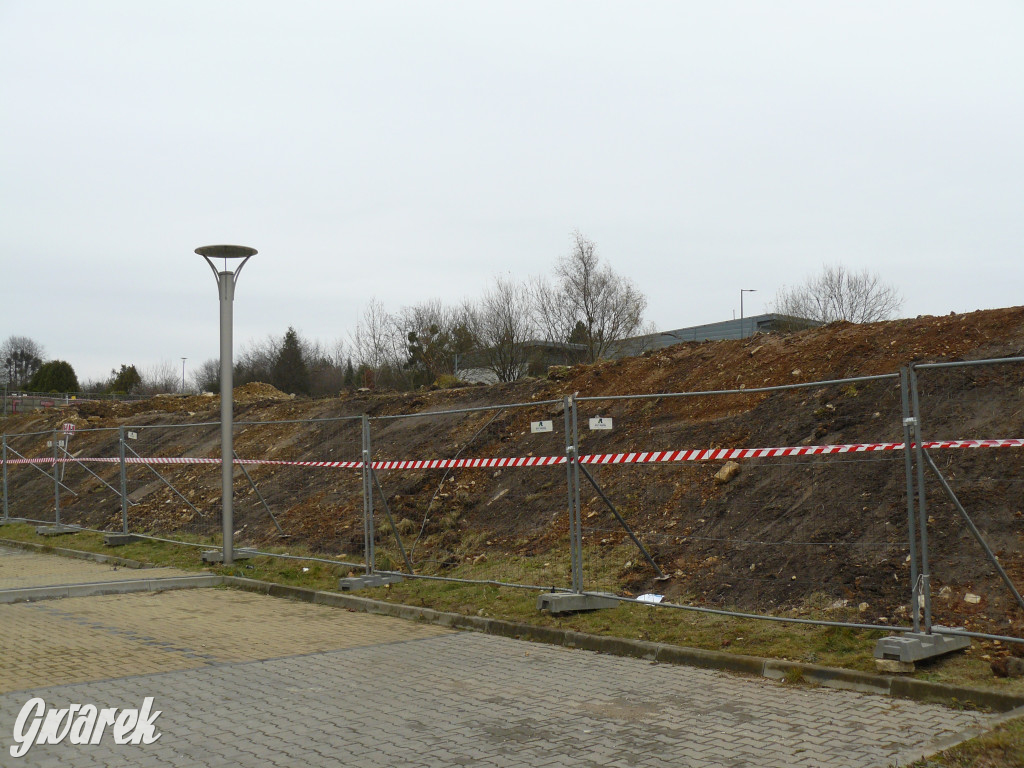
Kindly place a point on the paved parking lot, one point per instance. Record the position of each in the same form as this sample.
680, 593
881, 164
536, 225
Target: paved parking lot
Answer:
23, 570
248, 680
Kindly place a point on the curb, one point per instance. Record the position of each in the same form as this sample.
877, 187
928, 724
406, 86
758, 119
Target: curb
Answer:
98, 557
773, 669
92, 589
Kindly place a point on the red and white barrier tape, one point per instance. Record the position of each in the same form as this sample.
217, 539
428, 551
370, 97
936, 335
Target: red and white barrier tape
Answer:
647, 457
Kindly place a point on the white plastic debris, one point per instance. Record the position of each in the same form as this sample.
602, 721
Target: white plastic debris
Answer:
650, 598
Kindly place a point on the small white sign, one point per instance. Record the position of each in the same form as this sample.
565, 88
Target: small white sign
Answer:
650, 598
601, 422
542, 426
133, 435
49, 443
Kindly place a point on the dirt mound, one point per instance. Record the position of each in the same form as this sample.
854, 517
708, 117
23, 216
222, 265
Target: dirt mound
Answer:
257, 390
835, 351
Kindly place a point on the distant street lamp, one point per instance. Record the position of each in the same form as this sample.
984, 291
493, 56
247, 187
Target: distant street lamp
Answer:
742, 291
183, 374
226, 280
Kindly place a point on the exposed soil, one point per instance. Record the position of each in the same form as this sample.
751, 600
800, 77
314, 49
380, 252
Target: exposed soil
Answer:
785, 534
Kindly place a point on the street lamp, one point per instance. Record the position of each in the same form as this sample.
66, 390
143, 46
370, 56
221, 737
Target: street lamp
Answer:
183, 373
742, 291
226, 280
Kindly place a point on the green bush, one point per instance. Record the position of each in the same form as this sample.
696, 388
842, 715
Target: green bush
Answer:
54, 376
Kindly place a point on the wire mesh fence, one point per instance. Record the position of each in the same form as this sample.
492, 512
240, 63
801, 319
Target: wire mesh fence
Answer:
497, 471
726, 516
791, 502
89, 471
973, 505
300, 496
29, 468
173, 481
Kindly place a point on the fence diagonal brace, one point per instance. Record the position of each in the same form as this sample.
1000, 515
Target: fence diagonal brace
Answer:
974, 529
391, 520
622, 521
165, 482
32, 463
258, 494
82, 465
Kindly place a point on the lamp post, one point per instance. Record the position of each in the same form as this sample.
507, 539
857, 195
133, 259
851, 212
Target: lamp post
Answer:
742, 291
226, 280
183, 374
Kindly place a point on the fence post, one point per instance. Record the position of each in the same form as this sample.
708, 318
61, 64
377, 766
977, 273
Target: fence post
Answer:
578, 506
369, 552
124, 481
922, 508
570, 452
7, 512
56, 478
572, 473
908, 465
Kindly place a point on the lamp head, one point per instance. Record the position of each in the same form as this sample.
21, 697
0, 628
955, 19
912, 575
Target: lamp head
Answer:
226, 251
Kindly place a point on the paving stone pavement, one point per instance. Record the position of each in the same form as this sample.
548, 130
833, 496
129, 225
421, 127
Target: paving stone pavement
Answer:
19, 570
80, 639
248, 680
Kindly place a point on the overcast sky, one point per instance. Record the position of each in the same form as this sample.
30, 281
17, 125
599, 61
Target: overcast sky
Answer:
414, 150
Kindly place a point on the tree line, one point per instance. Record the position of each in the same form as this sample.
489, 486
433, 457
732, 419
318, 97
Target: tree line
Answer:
585, 305
584, 310
24, 367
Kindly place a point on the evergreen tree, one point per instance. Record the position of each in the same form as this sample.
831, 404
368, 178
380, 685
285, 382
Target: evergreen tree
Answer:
124, 381
54, 376
290, 373
579, 333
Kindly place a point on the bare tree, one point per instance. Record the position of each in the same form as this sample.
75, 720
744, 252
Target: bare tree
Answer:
256, 361
326, 367
435, 336
504, 325
20, 358
837, 293
374, 339
206, 376
588, 302
158, 379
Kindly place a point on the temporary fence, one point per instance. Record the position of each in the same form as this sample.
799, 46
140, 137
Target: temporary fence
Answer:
513, 455
779, 537
969, 506
15, 402
720, 501
172, 482
301, 493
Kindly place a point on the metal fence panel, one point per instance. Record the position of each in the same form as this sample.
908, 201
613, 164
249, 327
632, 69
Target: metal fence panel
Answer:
173, 481
30, 485
775, 537
304, 495
483, 468
89, 472
974, 511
